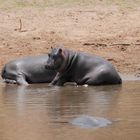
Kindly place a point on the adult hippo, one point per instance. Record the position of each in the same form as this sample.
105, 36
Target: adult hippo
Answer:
26, 70
81, 68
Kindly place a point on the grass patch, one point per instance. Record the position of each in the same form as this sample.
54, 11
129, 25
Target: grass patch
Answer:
124, 4
57, 3
38, 3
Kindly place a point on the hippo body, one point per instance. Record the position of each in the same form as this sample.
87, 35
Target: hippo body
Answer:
81, 68
27, 70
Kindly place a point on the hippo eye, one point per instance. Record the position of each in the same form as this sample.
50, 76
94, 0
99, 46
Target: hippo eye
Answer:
49, 54
54, 56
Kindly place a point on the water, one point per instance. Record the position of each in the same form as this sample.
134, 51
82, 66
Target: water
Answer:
39, 112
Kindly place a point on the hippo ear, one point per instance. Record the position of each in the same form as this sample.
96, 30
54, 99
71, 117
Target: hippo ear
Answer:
60, 51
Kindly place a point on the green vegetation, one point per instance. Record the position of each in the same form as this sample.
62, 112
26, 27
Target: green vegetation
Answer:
39, 3
125, 4
51, 3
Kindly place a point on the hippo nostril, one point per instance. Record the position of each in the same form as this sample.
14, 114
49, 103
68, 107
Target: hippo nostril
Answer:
47, 66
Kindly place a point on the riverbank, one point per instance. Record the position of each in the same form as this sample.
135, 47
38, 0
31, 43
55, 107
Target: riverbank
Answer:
110, 30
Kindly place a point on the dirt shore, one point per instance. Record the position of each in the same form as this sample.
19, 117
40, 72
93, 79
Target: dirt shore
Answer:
105, 30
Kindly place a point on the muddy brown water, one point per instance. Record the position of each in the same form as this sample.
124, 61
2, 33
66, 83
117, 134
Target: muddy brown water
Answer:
39, 112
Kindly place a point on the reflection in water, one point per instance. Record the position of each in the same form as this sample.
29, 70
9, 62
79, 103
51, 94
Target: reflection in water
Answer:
85, 121
62, 101
39, 112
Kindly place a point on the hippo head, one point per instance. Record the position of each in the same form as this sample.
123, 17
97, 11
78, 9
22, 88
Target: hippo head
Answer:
56, 59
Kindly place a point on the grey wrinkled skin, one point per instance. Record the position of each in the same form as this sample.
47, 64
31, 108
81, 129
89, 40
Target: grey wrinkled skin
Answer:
90, 122
81, 68
27, 70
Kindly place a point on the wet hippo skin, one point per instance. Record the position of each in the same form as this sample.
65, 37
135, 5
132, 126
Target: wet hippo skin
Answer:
27, 70
81, 68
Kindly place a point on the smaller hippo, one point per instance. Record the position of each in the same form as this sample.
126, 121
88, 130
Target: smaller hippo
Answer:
27, 70
81, 68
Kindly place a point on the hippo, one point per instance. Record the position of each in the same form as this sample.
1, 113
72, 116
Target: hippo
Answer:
27, 70
81, 68
85, 121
